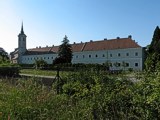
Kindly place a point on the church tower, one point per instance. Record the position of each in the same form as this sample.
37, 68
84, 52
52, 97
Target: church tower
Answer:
22, 41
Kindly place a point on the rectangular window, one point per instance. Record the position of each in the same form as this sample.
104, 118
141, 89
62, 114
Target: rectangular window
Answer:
83, 56
127, 65
77, 56
103, 55
110, 55
89, 56
136, 53
119, 54
127, 54
136, 64
96, 56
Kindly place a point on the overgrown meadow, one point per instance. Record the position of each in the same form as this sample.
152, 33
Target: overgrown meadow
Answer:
84, 95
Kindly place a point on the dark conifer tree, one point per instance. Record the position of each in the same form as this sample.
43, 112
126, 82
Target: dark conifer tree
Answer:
153, 56
155, 44
65, 50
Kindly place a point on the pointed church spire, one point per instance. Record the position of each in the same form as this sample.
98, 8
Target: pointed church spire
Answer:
22, 32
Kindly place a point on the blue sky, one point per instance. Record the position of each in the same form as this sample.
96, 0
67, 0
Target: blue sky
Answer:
46, 22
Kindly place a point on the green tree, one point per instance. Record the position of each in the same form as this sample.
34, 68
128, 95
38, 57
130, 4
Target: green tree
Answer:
40, 64
65, 50
3, 56
155, 44
153, 51
108, 64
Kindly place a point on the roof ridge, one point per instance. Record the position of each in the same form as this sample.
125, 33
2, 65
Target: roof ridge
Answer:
50, 49
83, 46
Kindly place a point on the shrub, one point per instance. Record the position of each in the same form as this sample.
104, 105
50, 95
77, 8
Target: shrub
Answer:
9, 71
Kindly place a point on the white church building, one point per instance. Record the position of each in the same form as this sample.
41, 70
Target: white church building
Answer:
114, 51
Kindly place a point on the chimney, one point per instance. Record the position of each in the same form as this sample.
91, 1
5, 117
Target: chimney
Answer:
39, 46
118, 37
91, 40
74, 42
105, 38
130, 36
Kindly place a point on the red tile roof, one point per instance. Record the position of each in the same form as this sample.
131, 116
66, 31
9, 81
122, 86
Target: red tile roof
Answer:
121, 43
77, 47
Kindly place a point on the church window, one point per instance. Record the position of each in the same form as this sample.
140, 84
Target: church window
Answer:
48, 57
119, 54
110, 55
89, 56
96, 56
103, 55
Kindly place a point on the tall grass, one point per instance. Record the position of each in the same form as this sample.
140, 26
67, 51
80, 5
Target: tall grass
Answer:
84, 95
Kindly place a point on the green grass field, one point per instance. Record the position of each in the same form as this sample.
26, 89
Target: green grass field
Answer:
41, 72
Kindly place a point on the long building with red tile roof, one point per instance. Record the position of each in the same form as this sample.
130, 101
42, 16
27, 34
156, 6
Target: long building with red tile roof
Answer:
115, 51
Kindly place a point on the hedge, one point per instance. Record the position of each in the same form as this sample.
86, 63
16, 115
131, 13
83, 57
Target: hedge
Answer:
10, 71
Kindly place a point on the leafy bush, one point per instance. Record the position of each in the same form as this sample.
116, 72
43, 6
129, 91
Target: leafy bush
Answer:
85, 95
9, 71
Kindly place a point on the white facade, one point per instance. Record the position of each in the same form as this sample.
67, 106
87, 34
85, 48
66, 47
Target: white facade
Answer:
120, 53
132, 57
30, 59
